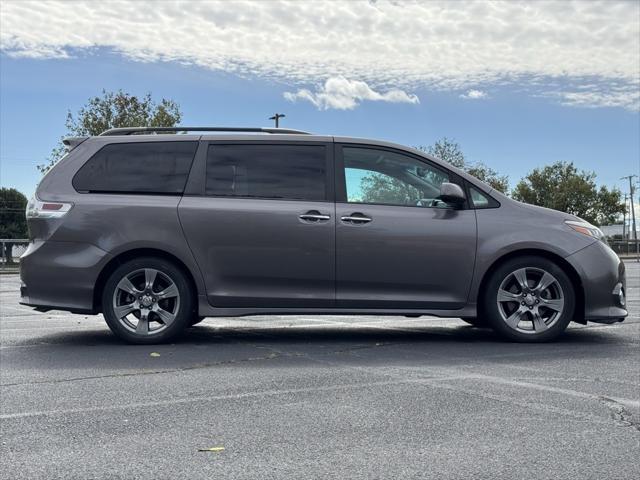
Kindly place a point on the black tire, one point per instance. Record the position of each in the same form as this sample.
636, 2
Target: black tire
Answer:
475, 322
557, 321
181, 305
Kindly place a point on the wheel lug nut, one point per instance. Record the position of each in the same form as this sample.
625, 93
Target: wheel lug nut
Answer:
522, 303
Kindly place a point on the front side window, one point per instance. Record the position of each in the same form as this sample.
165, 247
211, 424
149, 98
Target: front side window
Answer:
389, 178
294, 172
146, 167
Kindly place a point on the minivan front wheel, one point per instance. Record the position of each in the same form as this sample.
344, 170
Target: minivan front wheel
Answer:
147, 300
529, 299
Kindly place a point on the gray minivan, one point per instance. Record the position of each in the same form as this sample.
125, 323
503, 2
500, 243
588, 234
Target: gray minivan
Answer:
158, 228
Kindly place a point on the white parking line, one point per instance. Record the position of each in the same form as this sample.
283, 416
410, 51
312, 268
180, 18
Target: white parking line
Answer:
196, 399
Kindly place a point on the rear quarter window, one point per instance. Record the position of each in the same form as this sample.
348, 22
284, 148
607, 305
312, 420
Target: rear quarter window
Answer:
146, 167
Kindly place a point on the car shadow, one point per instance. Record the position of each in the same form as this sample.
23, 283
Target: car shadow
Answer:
293, 334
207, 345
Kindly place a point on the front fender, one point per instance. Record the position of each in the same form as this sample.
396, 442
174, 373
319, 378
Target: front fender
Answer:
505, 231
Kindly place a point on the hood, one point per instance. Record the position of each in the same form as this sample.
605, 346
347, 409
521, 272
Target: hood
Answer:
534, 209
549, 212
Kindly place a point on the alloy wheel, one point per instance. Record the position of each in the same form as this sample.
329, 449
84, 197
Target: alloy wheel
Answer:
530, 300
146, 301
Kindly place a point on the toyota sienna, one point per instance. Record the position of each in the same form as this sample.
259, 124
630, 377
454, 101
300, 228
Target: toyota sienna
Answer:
157, 228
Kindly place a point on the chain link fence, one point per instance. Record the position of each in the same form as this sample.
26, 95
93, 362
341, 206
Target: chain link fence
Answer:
625, 248
10, 252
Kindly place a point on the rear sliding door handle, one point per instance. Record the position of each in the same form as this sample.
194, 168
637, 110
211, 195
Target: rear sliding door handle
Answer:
315, 216
355, 218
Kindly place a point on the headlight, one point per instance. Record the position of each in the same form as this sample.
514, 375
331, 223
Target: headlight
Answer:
585, 228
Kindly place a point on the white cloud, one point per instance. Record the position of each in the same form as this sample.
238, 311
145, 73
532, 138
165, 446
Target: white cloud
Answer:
628, 99
474, 95
343, 94
444, 45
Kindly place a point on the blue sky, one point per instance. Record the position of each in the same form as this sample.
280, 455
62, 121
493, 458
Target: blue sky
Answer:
522, 117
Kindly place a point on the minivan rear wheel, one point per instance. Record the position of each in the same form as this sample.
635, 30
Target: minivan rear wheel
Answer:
147, 300
529, 299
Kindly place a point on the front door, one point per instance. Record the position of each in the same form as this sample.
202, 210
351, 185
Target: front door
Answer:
263, 229
397, 245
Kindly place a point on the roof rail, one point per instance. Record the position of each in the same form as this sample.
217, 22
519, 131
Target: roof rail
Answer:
132, 130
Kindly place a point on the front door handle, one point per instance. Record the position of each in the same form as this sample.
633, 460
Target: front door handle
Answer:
315, 216
355, 218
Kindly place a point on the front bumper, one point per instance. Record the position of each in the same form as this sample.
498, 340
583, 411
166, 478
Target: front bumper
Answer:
602, 275
60, 275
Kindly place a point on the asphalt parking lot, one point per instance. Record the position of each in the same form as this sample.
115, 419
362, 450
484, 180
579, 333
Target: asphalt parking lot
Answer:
316, 397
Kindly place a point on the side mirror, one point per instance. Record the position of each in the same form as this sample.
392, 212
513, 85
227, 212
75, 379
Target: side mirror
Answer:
452, 194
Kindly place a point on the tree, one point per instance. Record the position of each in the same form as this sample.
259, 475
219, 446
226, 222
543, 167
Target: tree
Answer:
380, 188
112, 110
13, 223
450, 152
489, 176
562, 187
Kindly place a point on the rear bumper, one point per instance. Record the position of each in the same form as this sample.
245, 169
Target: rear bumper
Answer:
60, 275
602, 274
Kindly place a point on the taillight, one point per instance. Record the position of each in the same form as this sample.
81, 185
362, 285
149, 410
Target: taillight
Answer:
39, 209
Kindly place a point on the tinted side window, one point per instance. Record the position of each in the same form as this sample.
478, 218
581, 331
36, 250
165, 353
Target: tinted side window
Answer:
149, 167
389, 178
296, 172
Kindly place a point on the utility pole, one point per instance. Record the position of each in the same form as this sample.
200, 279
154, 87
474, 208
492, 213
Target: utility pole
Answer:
624, 219
633, 210
635, 232
277, 118
633, 213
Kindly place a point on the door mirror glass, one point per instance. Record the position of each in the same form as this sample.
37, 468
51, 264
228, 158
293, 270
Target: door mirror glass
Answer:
452, 194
